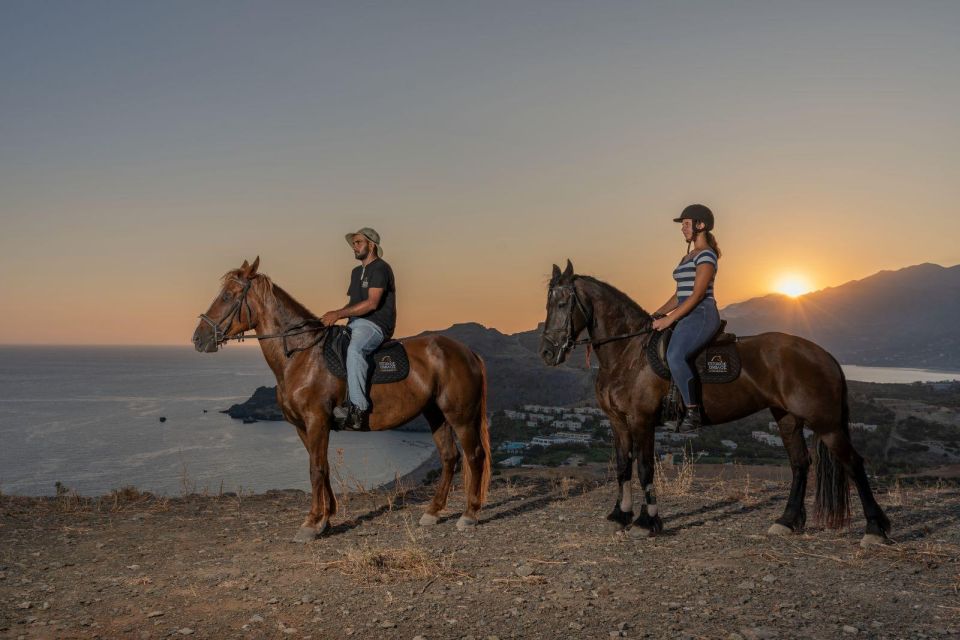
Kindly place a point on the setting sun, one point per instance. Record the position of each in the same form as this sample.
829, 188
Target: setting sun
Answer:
793, 285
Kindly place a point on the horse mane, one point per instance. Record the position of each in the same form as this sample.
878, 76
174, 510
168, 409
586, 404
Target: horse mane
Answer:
264, 284
621, 298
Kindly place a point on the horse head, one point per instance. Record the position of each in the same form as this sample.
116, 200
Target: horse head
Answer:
566, 318
229, 313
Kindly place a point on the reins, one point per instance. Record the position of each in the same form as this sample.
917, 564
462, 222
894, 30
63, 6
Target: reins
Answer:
309, 325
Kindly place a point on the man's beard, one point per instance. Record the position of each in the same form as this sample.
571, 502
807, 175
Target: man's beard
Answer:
361, 255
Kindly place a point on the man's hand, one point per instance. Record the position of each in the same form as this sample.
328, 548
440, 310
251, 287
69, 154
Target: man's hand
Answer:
330, 318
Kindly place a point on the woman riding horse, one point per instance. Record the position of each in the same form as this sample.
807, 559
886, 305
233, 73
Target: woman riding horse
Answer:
798, 381
693, 309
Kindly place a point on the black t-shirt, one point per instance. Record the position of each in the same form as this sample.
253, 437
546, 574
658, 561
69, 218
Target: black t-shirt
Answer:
376, 275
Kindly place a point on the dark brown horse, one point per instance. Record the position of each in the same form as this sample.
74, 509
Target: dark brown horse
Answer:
798, 381
447, 384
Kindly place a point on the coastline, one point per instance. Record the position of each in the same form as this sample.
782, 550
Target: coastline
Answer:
414, 478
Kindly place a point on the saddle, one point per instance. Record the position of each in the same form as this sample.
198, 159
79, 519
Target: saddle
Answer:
717, 363
390, 362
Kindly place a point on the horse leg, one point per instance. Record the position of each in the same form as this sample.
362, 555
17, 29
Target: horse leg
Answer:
838, 442
622, 512
324, 504
473, 471
648, 523
794, 516
449, 457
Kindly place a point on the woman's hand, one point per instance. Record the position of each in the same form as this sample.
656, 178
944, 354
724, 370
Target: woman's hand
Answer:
662, 323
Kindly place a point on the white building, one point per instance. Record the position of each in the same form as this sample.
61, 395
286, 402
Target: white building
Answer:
569, 425
580, 417
514, 415
729, 444
767, 438
591, 411
859, 426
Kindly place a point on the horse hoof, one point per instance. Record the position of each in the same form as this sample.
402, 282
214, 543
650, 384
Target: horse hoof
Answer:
465, 523
777, 529
306, 534
639, 533
428, 520
872, 539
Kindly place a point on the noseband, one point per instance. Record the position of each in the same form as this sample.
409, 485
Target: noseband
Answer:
220, 328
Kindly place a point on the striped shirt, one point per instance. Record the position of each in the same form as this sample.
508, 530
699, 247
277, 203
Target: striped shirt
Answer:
686, 273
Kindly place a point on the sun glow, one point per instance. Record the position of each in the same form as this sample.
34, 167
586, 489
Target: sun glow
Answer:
793, 285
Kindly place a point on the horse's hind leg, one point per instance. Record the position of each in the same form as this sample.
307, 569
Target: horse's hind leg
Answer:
838, 442
449, 457
794, 516
475, 459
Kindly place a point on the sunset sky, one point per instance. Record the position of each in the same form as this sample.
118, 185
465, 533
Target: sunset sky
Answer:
148, 147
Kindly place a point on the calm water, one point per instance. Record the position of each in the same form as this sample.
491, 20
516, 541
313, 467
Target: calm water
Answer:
89, 417
897, 374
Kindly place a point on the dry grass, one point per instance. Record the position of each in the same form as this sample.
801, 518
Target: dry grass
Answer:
681, 482
412, 561
894, 496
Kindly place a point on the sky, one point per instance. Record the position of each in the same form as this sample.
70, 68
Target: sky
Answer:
148, 147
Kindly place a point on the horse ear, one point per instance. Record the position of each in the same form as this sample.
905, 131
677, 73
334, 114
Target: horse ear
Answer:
244, 266
253, 268
555, 276
568, 272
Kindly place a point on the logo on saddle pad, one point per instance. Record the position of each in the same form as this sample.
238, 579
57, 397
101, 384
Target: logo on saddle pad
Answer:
386, 364
717, 364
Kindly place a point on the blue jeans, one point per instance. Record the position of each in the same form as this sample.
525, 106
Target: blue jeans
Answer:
365, 337
690, 334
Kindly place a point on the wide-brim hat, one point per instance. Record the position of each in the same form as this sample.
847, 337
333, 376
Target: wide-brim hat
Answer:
370, 235
697, 213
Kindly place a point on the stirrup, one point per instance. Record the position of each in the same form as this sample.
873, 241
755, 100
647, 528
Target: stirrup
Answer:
691, 420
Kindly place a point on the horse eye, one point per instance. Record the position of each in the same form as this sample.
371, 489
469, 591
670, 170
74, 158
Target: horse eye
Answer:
226, 296
562, 304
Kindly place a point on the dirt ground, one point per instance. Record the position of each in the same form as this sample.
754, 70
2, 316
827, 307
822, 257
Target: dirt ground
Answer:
543, 564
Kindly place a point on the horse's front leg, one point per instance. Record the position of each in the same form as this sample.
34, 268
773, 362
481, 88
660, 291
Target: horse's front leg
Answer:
622, 512
316, 438
648, 523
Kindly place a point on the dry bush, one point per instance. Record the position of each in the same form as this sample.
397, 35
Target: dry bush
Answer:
393, 564
682, 482
894, 495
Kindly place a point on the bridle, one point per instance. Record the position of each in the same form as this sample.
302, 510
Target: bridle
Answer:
220, 336
220, 328
570, 334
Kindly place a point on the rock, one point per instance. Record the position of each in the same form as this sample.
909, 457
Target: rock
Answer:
255, 618
850, 629
419, 637
289, 631
306, 598
524, 570
155, 614
186, 631
746, 584
386, 624
623, 626
769, 578
758, 633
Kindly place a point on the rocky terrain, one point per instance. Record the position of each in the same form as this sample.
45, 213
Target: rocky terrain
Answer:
543, 564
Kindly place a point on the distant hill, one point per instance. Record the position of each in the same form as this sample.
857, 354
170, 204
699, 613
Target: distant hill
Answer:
903, 318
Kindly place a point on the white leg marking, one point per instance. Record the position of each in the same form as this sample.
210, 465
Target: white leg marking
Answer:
626, 498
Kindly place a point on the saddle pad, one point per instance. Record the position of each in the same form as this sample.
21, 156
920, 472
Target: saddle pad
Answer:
718, 363
389, 362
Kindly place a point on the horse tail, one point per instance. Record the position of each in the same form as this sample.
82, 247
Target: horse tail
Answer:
832, 504
484, 433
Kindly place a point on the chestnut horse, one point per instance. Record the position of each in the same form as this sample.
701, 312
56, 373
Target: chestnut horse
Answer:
797, 380
447, 384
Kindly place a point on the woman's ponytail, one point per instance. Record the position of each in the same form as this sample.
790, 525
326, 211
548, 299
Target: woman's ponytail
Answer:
713, 243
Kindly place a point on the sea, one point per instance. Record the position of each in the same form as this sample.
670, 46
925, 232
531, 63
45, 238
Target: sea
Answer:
90, 419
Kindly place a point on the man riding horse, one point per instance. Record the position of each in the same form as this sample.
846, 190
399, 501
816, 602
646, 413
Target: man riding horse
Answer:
372, 313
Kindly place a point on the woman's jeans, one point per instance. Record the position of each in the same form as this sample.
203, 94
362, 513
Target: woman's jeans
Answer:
690, 334
365, 337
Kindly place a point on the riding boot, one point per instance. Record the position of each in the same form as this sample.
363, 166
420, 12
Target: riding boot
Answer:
691, 420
